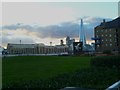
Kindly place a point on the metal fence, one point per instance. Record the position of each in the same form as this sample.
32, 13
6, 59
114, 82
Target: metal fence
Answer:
115, 86
53, 54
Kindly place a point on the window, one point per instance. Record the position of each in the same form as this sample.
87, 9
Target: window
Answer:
106, 30
106, 35
110, 45
98, 45
102, 40
102, 35
106, 44
97, 41
106, 40
97, 36
110, 40
110, 35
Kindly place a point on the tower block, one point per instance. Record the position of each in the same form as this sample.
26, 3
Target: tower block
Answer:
82, 37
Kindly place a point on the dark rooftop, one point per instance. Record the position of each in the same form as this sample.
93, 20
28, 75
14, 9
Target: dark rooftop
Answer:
111, 24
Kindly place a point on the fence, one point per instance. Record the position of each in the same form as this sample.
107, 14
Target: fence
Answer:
115, 86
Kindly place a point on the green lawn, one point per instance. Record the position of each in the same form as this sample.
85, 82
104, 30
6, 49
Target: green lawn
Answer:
25, 68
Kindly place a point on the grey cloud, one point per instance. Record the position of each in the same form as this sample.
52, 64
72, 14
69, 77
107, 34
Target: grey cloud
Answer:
26, 40
18, 26
62, 30
58, 31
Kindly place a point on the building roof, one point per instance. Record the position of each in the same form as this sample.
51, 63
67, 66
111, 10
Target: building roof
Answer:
21, 45
32, 46
111, 24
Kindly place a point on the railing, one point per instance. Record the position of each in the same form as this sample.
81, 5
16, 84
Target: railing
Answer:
97, 43
95, 38
52, 54
115, 86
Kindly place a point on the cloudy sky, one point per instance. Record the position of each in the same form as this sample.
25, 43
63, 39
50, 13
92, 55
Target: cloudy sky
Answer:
45, 22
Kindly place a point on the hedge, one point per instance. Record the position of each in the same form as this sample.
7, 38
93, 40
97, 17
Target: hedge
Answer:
106, 61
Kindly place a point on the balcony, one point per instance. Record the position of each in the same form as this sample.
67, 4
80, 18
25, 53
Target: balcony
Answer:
95, 38
97, 43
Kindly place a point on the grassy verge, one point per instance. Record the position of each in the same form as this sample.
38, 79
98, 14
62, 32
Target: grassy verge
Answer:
25, 69
62, 72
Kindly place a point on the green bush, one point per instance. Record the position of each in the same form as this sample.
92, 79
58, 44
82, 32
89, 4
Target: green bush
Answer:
106, 61
107, 52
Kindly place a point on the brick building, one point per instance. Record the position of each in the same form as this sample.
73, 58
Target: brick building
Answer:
107, 36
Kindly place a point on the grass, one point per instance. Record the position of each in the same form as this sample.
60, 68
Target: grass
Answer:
60, 71
26, 68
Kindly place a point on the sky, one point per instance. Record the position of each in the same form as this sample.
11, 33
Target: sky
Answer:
45, 22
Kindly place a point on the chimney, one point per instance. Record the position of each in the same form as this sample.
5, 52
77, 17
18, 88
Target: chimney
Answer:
50, 43
61, 42
103, 20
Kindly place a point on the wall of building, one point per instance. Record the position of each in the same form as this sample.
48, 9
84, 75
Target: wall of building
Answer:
35, 49
108, 39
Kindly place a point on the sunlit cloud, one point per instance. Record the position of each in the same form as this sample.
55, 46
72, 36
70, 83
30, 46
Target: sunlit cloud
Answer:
52, 33
35, 22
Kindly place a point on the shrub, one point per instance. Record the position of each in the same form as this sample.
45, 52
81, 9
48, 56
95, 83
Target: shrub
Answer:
107, 52
106, 61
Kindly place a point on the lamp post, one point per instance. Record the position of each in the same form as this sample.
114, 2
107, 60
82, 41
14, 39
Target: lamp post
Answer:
20, 48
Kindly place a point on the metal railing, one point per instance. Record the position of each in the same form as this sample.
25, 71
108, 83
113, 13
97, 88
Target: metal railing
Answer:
115, 86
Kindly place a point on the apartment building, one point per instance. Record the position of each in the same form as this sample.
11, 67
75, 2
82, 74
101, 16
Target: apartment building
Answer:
107, 36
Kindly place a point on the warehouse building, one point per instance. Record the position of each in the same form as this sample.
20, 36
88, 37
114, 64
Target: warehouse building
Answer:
107, 36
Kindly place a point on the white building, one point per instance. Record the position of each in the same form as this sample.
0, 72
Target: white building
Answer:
36, 49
